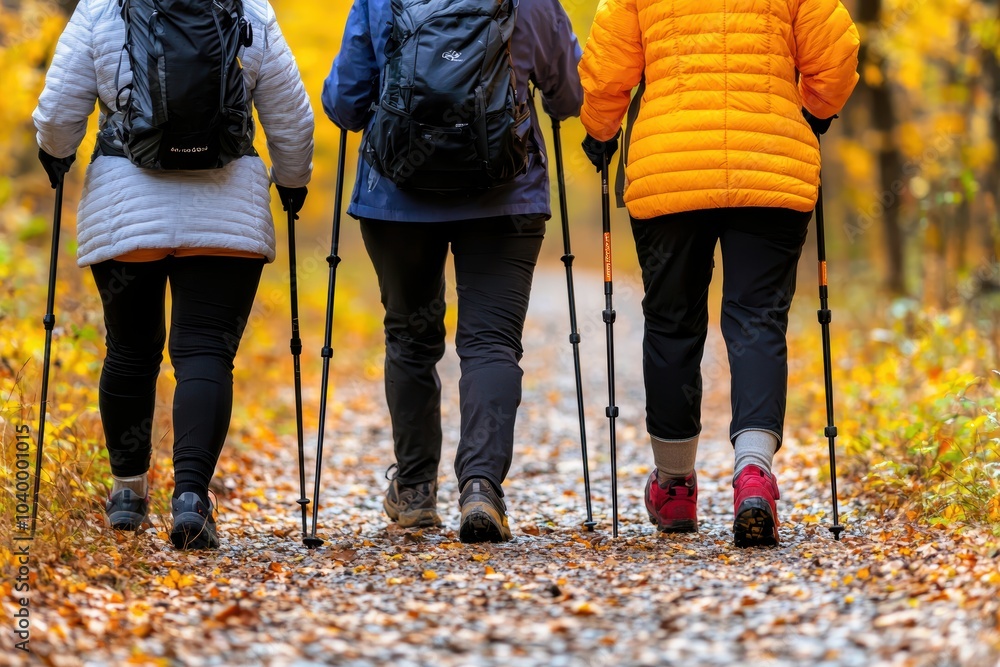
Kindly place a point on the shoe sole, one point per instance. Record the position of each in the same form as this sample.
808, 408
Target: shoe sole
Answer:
482, 523
425, 518
191, 531
676, 526
124, 520
754, 525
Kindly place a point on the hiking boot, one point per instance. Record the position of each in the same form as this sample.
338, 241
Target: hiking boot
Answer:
126, 510
194, 525
756, 523
412, 506
484, 515
673, 505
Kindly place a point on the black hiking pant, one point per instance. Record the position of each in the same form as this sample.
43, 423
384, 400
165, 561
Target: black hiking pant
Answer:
494, 263
211, 302
760, 252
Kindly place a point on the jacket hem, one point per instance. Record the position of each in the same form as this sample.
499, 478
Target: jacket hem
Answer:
360, 212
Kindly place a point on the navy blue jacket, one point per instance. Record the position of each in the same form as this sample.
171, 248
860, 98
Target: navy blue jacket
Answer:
545, 52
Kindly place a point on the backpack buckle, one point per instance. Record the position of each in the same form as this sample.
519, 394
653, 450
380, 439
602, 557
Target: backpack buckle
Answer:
246, 32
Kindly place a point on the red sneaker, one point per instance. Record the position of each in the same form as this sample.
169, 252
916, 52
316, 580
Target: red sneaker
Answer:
673, 507
756, 523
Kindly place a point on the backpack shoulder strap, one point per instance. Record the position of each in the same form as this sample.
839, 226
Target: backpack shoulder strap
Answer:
633, 113
507, 17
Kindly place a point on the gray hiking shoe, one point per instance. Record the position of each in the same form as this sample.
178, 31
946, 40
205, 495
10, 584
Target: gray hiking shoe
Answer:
412, 506
484, 515
194, 525
126, 510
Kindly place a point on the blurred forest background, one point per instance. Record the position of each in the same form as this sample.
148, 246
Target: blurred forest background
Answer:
913, 179
913, 207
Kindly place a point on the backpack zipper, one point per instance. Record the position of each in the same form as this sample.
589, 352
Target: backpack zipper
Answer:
216, 7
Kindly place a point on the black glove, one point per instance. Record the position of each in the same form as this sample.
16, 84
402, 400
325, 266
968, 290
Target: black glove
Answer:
292, 199
819, 125
597, 150
55, 167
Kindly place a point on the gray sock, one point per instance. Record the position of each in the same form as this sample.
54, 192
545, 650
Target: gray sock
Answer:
138, 484
755, 448
674, 458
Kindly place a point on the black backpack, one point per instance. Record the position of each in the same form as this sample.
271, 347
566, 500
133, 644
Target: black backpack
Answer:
448, 117
187, 106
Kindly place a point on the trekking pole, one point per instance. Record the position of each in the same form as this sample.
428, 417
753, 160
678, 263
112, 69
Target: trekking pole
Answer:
609, 321
49, 322
574, 335
825, 317
311, 541
295, 344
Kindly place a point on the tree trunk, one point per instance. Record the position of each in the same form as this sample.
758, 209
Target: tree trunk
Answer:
991, 227
963, 221
934, 273
890, 160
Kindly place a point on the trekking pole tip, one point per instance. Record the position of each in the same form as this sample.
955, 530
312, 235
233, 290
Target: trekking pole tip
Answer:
312, 542
590, 525
836, 529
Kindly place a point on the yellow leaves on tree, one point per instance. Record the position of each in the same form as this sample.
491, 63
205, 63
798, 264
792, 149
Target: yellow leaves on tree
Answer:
28, 33
858, 160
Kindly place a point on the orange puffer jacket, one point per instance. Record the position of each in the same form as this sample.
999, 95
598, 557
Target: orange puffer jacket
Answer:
720, 124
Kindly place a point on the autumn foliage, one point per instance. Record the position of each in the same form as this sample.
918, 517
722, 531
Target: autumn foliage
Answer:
916, 355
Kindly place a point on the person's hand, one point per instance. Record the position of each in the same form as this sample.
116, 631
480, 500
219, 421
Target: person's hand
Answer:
55, 167
597, 151
819, 125
292, 199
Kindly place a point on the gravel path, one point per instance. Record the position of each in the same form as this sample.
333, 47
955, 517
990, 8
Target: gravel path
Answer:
888, 594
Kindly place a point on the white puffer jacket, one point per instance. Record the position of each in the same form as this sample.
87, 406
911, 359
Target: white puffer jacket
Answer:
125, 208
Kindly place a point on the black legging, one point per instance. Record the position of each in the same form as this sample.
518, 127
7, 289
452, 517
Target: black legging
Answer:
760, 252
212, 298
